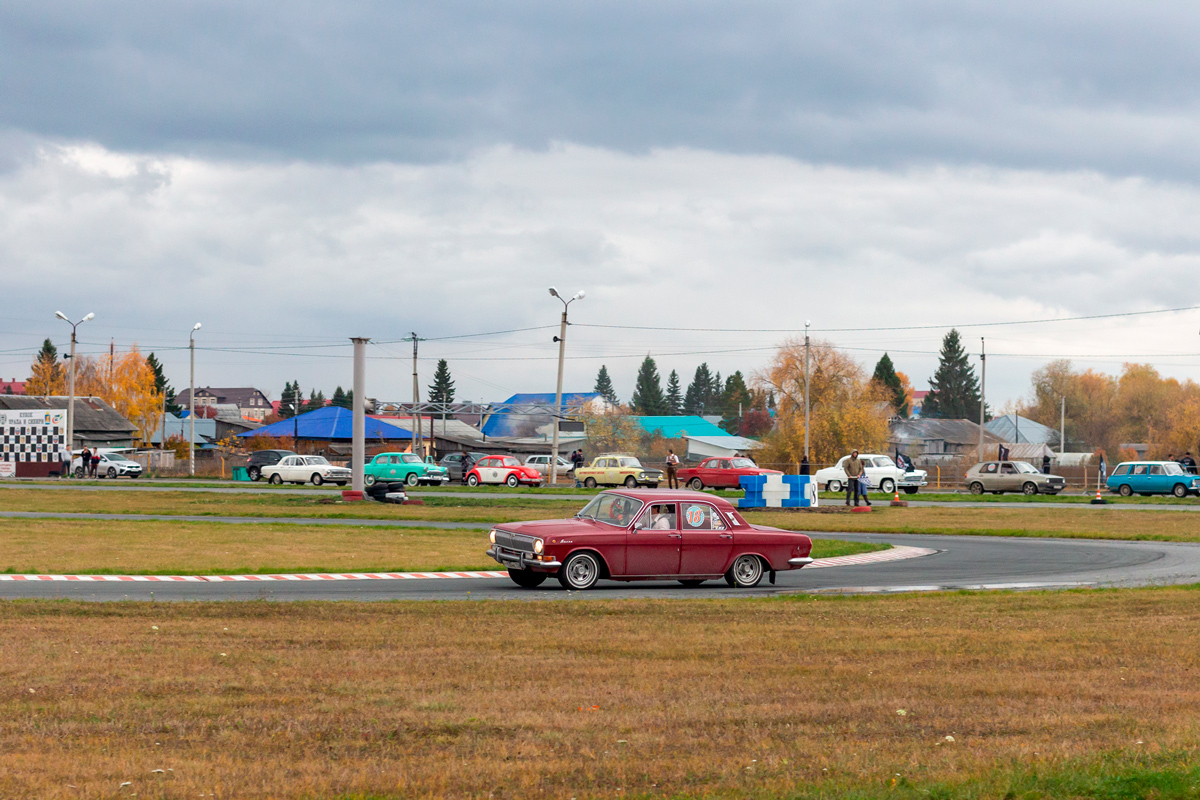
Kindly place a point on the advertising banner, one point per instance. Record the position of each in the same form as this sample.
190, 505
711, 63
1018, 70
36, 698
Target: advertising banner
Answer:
31, 436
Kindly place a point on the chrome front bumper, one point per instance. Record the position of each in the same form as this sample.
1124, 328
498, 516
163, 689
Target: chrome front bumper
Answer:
799, 562
520, 560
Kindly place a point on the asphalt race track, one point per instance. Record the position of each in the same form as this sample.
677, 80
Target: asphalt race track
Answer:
963, 562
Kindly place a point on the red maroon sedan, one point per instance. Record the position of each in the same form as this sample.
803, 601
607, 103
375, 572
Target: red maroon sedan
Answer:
721, 473
644, 535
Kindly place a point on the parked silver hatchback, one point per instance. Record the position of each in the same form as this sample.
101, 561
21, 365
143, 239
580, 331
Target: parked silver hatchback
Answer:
999, 477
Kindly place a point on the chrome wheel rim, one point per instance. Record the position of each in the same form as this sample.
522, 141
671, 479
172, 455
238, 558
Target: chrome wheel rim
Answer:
582, 572
747, 570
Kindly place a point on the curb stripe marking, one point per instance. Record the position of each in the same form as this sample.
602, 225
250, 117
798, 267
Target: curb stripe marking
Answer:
897, 553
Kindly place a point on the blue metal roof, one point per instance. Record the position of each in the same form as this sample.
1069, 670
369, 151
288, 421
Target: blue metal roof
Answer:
329, 424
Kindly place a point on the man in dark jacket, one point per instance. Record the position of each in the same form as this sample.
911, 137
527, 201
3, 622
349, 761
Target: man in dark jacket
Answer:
854, 470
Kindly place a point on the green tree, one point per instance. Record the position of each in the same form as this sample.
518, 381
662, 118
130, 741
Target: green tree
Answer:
161, 386
604, 386
442, 388
953, 389
47, 376
648, 397
290, 400
339, 398
735, 400
885, 375
699, 392
674, 400
315, 400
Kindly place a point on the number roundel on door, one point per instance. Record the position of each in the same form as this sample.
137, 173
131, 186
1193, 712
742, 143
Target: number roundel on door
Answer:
695, 516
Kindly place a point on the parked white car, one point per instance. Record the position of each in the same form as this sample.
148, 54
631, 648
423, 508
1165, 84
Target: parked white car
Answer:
883, 472
112, 465
542, 465
302, 469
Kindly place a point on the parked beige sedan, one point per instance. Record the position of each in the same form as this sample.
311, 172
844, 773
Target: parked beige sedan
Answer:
999, 477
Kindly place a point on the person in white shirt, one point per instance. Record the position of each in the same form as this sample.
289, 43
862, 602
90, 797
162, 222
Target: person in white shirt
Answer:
672, 470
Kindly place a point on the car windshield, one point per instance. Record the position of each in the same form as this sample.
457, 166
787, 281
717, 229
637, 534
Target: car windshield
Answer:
409, 458
630, 462
742, 463
612, 509
316, 461
1173, 469
1024, 467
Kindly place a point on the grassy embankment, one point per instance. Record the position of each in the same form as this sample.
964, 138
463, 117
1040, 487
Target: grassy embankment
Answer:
1068, 694
215, 548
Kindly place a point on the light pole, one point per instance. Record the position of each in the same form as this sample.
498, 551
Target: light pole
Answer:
192, 402
982, 392
562, 349
71, 383
807, 324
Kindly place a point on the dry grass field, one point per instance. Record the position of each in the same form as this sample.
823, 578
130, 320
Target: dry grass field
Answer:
215, 548
1079, 694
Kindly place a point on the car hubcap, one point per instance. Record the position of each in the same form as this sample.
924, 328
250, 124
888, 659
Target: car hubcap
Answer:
581, 572
747, 570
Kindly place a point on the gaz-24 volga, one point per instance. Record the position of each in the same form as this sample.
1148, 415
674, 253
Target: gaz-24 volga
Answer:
647, 535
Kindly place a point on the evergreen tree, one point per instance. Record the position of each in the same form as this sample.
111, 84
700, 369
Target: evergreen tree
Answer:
315, 400
339, 398
699, 391
885, 375
953, 389
736, 397
47, 376
161, 386
604, 386
647, 393
715, 396
290, 400
674, 398
442, 388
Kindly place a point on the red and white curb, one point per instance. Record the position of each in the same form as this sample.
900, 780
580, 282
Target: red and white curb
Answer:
898, 553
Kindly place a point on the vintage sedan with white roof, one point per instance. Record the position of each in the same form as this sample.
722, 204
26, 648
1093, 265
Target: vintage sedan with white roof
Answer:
881, 470
302, 469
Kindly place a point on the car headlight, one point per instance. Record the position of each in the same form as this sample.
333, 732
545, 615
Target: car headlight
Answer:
492, 536
538, 545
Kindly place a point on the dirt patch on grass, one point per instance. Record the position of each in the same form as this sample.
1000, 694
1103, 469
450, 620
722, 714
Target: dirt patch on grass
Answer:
730, 698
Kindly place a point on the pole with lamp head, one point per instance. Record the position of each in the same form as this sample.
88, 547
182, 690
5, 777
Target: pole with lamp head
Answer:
71, 382
562, 349
807, 324
192, 402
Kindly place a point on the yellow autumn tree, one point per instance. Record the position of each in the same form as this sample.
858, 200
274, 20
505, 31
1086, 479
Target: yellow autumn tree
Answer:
847, 410
126, 382
47, 376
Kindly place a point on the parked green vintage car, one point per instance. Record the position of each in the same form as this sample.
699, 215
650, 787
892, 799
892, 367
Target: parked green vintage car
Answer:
403, 468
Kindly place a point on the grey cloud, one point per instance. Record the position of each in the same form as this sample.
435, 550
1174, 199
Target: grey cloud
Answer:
1094, 85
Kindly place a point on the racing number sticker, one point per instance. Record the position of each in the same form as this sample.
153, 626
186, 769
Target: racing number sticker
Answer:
695, 516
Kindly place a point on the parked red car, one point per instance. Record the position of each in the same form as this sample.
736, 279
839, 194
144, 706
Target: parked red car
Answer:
502, 469
647, 534
720, 473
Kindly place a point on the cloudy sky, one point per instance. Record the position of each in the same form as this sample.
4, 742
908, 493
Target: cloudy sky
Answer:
713, 174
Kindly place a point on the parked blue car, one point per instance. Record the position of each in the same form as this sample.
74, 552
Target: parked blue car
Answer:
1152, 477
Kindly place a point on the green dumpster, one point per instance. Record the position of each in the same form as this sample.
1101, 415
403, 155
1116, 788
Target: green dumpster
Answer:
240, 474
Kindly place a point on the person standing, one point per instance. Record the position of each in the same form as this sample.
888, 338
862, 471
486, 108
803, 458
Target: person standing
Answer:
1046, 465
672, 470
1188, 463
95, 462
64, 455
854, 471
85, 462
805, 467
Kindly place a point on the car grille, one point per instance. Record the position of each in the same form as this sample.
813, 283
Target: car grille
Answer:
1057, 482
653, 473
512, 541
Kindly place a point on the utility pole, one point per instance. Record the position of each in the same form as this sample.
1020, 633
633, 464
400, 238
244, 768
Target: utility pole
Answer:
808, 323
71, 382
982, 392
192, 401
358, 446
1062, 428
416, 442
562, 349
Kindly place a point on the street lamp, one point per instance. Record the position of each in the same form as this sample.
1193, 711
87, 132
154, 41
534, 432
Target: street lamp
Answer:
71, 383
807, 324
562, 345
192, 402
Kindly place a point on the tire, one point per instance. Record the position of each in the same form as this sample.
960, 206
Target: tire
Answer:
472, 480
411, 479
631, 482
833, 486
745, 573
589, 483
581, 571
1180, 490
513, 481
276, 479
527, 578
135, 476
887, 486
691, 583
317, 480
254, 473
112, 473
369, 480
1126, 490
696, 485
652, 485
340, 483
910, 489
976, 488
79, 472
1029, 489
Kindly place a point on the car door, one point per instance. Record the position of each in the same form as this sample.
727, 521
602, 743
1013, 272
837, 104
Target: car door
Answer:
492, 470
1138, 478
287, 468
654, 543
1009, 477
1156, 480
707, 542
723, 476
